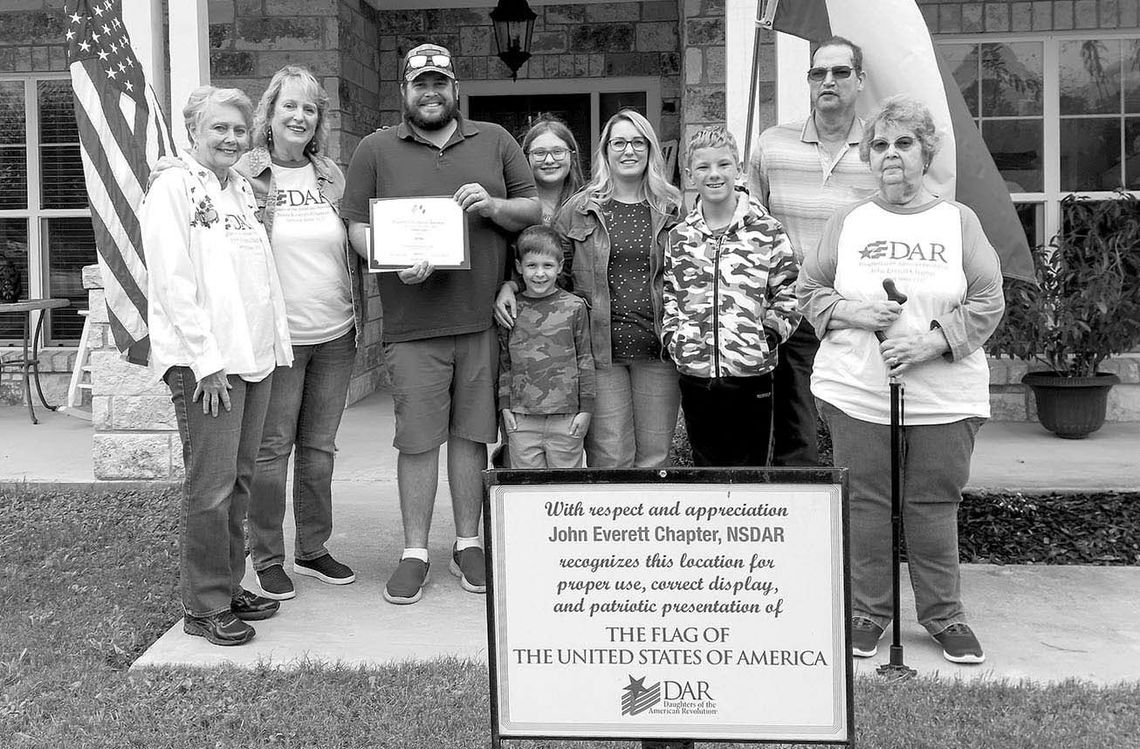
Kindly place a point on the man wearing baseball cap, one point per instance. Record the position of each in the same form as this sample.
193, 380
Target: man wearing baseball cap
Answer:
439, 343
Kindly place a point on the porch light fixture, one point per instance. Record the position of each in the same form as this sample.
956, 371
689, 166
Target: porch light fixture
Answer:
514, 22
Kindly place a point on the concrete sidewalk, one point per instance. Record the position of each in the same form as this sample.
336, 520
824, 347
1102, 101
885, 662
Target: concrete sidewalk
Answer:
1041, 623
1008, 455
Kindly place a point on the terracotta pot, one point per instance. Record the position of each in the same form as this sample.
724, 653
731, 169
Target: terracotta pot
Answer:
1071, 407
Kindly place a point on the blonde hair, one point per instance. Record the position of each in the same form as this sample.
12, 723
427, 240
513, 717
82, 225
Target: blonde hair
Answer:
262, 133
659, 191
711, 137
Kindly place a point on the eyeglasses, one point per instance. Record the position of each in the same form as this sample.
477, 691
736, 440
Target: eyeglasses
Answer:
838, 72
415, 62
559, 154
904, 143
620, 144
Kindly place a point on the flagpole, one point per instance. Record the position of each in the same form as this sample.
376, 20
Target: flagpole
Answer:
764, 14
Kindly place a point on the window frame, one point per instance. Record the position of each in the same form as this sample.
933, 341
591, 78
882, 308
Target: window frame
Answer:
1051, 196
35, 214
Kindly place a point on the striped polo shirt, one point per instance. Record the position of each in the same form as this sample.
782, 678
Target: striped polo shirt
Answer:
801, 186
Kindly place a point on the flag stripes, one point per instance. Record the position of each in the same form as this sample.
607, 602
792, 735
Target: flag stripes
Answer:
122, 131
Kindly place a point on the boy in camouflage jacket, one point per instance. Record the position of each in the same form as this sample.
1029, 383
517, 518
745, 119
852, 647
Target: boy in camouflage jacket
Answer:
546, 368
729, 301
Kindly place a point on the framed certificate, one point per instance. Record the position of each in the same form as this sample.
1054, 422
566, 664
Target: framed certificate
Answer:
405, 231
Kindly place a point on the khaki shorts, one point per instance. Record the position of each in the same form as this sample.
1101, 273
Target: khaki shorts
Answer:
444, 387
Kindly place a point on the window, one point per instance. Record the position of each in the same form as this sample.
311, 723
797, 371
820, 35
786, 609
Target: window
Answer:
45, 226
1059, 113
585, 104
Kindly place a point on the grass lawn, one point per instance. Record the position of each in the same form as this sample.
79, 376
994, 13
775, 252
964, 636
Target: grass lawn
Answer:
88, 581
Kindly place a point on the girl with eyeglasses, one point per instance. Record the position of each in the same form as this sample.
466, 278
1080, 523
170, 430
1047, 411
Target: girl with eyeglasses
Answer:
937, 255
613, 237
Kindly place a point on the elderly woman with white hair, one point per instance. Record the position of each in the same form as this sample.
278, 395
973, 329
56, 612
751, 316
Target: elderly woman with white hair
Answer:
218, 330
298, 191
937, 255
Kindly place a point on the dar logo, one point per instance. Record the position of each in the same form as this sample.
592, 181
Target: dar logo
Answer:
637, 698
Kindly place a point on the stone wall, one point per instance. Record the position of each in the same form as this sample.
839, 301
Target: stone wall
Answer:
136, 434
1007, 17
570, 41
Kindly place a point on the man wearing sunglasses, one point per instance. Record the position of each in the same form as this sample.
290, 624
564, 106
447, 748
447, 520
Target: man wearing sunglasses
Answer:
440, 345
803, 171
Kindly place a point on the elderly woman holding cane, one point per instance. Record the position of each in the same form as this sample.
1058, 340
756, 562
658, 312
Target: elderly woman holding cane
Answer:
218, 331
298, 191
936, 253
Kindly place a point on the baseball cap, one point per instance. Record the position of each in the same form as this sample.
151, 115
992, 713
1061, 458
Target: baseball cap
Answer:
428, 58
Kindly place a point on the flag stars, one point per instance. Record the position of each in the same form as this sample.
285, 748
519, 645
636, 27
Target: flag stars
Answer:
106, 29
85, 46
76, 18
70, 35
103, 54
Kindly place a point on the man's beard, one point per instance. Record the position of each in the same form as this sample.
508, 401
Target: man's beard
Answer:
438, 122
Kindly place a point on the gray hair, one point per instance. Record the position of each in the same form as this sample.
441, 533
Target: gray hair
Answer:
905, 113
203, 96
312, 88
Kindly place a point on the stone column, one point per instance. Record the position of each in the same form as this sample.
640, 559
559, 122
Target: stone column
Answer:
136, 435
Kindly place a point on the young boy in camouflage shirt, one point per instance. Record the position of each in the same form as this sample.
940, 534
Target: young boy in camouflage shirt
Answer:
729, 301
546, 370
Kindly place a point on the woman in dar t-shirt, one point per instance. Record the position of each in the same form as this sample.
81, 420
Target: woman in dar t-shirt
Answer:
298, 190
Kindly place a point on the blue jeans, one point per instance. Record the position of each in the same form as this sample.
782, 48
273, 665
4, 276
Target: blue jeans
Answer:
936, 465
219, 454
304, 414
635, 415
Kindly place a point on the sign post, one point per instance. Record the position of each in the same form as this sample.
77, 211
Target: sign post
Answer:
669, 606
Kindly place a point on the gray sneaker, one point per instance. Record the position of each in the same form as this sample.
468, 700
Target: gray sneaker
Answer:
275, 583
406, 585
469, 566
326, 569
865, 636
960, 644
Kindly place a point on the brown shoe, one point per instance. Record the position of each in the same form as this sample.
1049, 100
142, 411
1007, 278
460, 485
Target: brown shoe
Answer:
220, 629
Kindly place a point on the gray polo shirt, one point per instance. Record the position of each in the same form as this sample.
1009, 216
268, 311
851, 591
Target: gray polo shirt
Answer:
397, 163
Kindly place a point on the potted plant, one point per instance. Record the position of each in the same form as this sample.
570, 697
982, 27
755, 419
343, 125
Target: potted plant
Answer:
1084, 308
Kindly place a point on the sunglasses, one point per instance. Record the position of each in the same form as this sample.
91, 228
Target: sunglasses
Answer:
904, 143
558, 154
415, 62
620, 144
838, 72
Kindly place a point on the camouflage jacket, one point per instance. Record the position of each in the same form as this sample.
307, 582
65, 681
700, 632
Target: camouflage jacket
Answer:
729, 298
545, 364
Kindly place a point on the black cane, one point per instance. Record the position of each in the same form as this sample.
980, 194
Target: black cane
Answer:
896, 669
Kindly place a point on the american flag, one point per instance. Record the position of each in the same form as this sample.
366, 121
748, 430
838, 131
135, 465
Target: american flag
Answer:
122, 131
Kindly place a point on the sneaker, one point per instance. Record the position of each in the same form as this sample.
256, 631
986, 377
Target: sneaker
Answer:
960, 645
326, 569
468, 565
250, 607
406, 585
220, 629
865, 636
275, 583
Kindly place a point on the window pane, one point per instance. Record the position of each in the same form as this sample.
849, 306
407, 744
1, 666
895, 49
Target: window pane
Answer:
14, 246
1132, 152
70, 245
962, 61
61, 175
1090, 154
13, 177
12, 129
1132, 76
611, 104
57, 112
517, 113
1090, 76
1032, 217
1011, 79
1016, 146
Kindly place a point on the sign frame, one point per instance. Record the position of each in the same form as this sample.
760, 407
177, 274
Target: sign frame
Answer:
825, 477
455, 223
